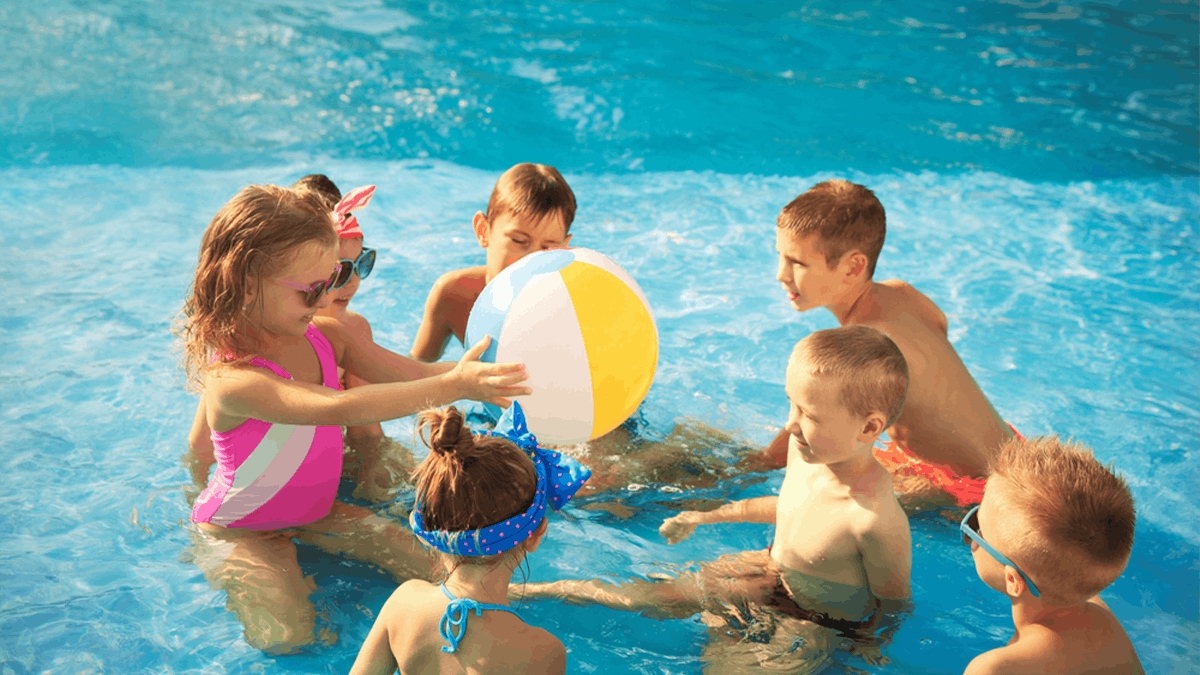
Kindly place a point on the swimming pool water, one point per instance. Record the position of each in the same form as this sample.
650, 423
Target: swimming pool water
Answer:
1054, 221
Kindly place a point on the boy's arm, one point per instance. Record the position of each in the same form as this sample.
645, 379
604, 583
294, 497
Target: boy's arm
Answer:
757, 510
434, 332
886, 549
770, 458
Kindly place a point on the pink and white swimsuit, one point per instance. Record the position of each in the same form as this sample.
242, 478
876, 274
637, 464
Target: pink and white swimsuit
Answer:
271, 476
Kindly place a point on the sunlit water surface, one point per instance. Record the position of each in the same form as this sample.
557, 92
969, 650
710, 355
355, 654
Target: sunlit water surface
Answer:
1037, 163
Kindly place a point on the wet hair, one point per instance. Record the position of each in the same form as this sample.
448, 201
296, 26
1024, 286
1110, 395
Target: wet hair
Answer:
320, 185
469, 482
533, 190
871, 371
843, 216
254, 235
1078, 516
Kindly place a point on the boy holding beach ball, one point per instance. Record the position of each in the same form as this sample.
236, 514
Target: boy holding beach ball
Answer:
531, 209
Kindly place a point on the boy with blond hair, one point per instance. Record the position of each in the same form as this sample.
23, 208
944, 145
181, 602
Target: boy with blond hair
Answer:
1054, 529
828, 240
842, 549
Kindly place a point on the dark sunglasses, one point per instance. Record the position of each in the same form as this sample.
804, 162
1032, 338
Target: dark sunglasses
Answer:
312, 294
970, 530
362, 266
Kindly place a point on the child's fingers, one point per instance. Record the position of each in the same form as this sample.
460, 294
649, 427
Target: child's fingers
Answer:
500, 401
493, 379
477, 349
501, 368
509, 390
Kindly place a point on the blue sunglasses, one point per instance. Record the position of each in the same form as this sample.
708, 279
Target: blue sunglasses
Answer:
362, 265
970, 529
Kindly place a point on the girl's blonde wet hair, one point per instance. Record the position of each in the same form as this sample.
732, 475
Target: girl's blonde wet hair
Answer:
256, 234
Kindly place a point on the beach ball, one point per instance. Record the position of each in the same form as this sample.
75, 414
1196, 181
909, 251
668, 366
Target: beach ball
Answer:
584, 331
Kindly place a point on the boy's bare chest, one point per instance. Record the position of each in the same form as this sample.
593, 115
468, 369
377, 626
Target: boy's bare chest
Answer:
815, 534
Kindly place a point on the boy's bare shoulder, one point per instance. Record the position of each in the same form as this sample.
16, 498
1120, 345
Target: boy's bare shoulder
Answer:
1043, 649
457, 286
1035, 652
878, 509
898, 298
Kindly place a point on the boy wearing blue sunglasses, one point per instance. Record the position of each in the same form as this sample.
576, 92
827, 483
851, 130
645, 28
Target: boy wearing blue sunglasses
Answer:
1054, 529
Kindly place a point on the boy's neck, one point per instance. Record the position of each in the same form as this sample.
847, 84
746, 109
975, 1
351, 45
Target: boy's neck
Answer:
849, 472
852, 304
1027, 611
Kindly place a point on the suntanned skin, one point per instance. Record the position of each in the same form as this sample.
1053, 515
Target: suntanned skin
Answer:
1082, 638
947, 419
406, 634
378, 468
508, 239
836, 520
258, 569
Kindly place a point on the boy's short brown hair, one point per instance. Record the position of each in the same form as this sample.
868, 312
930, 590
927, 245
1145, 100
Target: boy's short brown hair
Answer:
1079, 515
320, 185
869, 366
534, 189
843, 216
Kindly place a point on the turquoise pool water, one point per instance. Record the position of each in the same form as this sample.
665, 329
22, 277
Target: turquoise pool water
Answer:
1037, 161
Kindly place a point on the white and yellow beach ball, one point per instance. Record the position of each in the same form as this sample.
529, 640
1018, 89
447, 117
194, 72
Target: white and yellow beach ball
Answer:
585, 333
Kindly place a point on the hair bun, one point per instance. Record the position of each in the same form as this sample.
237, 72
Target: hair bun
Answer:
449, 435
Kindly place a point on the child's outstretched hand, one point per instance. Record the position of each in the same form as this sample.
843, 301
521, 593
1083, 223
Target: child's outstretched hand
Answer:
679, 527
490, 382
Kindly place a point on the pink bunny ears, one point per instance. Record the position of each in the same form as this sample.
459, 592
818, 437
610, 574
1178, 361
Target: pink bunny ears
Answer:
344, 221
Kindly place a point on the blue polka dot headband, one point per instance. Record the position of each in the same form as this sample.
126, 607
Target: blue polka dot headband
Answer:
559, 477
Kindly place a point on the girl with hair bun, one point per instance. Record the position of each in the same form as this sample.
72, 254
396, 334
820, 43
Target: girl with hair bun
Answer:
481, 505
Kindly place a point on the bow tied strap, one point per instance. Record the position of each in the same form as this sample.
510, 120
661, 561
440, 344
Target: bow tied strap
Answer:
454, 621
344, 221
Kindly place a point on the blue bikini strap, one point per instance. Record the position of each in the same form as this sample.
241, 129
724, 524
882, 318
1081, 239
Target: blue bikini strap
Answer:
454, 621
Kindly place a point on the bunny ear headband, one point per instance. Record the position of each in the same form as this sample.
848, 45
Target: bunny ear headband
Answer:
344, 221
559, 477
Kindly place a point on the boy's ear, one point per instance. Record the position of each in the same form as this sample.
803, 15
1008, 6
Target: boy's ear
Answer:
855, 264
872, 427
1014, 584
567, 240
483, 228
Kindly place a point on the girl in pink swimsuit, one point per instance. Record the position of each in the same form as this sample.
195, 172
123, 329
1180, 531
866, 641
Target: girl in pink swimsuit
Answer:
266, 368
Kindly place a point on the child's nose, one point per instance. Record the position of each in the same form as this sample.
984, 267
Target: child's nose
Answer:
783, 274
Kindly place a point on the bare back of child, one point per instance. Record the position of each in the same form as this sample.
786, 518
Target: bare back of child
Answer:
841, 555
828, 240
469, 489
